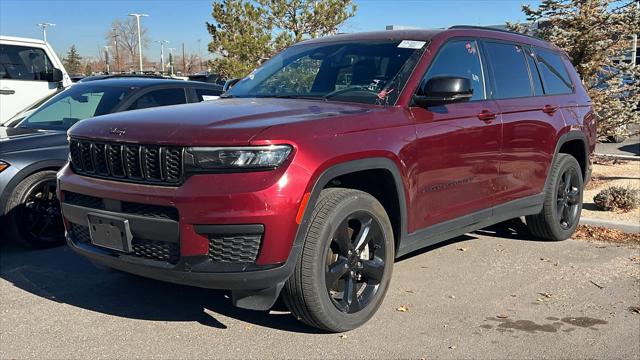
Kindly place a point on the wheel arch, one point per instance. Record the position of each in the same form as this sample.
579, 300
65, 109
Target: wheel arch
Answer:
25, 172
575, 143
341, 172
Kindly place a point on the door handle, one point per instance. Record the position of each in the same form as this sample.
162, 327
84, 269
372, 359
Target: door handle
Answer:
7, 92
487, 115
550, 109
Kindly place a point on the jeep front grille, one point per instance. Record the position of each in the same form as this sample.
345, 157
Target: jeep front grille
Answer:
127, 162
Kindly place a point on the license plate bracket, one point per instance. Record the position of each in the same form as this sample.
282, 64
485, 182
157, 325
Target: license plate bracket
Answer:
110, 232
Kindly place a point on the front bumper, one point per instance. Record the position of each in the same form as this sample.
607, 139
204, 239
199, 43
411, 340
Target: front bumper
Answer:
210, 212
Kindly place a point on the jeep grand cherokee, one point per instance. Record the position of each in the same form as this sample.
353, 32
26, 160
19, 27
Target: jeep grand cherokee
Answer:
338, 155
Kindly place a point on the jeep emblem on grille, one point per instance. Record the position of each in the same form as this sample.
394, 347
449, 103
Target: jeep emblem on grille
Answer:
116, 131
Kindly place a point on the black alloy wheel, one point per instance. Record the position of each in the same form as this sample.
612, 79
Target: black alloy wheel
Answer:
568, 198
355, 262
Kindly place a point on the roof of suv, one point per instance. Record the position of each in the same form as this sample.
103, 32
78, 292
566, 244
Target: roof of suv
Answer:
142, 82
428, 34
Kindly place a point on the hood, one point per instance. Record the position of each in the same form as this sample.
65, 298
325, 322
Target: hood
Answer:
19, 139
220, 122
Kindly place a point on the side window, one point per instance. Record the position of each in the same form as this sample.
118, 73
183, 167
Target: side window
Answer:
509, 69
207, 94
535, 74
23, 63
554, 75
459, 58
162, 97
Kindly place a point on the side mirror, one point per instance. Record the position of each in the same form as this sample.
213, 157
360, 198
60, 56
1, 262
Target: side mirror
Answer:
442, 90
229, 84
53, 75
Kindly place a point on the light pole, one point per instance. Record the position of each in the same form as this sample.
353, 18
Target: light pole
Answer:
115, 38
171, 60
106, 57
162, 42
44, 26
137, 16
200, 53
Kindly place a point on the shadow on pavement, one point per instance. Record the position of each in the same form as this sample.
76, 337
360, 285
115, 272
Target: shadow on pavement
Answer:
60, 275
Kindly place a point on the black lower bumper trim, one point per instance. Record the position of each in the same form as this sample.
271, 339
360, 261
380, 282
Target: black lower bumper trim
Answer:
189, 271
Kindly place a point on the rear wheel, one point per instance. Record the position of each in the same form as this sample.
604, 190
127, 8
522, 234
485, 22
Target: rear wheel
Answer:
33, 212
562, 201
345, 267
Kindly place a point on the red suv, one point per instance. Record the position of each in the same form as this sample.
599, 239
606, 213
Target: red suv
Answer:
314, 172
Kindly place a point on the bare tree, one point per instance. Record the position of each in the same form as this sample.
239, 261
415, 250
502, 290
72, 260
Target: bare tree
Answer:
127, 34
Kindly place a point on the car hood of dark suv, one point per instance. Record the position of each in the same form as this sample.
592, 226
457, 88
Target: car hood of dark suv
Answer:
21, 139
220, 122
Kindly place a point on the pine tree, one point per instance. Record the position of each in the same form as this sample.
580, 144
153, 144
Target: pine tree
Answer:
72, 61
595, 34
246, 33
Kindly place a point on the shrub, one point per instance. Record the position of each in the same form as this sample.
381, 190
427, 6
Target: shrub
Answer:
617, 198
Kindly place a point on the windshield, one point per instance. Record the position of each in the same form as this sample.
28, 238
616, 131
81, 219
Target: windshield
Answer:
372, 72
74, 104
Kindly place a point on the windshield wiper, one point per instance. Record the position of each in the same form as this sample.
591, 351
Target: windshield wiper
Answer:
306, 97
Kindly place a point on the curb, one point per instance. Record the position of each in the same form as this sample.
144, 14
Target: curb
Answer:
622, 157
622, 226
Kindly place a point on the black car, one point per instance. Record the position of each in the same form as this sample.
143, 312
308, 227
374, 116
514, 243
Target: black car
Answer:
34, 148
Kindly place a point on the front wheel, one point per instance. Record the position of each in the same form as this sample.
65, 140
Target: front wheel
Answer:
562, 201
33, 212
345, 267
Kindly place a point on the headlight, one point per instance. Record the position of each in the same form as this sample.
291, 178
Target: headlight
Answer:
3, 165
237, 158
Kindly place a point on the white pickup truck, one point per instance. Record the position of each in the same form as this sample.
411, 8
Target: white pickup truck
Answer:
29, 70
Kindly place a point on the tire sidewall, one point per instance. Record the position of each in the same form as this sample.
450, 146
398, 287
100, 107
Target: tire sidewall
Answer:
370, 205
566, 162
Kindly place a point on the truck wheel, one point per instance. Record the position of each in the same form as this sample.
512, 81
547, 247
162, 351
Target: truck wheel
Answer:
33, 212
562, 201
345, 267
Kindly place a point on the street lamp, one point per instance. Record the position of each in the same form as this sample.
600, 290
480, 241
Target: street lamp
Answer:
162, 42
171, 60
106, 57
137, 16
44, 26
115, 38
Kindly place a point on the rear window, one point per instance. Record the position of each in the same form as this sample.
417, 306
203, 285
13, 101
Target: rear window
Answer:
510, 71
162, 97
554, 75
208, 94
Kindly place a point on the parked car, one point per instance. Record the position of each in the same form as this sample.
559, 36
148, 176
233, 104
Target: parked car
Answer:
33, 149
313, 173
206, 76
29, 70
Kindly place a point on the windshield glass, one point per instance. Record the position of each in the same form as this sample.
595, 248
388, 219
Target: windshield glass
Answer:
372, 72
74, 104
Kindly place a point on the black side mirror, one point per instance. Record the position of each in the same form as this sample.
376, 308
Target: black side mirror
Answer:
442, 90
229, 84
56, 75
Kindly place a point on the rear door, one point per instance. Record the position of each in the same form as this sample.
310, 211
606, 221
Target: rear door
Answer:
530, 120
458, 145
23, 78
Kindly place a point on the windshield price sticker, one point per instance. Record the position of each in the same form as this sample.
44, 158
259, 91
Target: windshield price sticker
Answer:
411, 44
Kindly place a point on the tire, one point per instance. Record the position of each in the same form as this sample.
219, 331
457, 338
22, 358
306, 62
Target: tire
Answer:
28, 208
617, 139
560, 213
315, 300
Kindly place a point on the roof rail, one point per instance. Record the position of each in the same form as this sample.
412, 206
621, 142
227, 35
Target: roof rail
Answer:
476, 27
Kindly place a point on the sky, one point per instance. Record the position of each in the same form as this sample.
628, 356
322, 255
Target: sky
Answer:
85, 22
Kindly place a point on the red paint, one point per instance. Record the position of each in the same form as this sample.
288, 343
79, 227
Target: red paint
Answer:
493, 151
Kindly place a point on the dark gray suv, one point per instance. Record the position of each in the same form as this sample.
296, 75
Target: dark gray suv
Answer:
34, 148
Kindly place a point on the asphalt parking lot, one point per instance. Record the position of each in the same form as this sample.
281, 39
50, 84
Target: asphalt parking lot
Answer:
490, 294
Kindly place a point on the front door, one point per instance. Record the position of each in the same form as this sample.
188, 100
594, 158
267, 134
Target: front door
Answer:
458, 144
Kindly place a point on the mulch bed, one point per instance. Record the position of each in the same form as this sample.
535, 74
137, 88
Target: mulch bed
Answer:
599, 233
